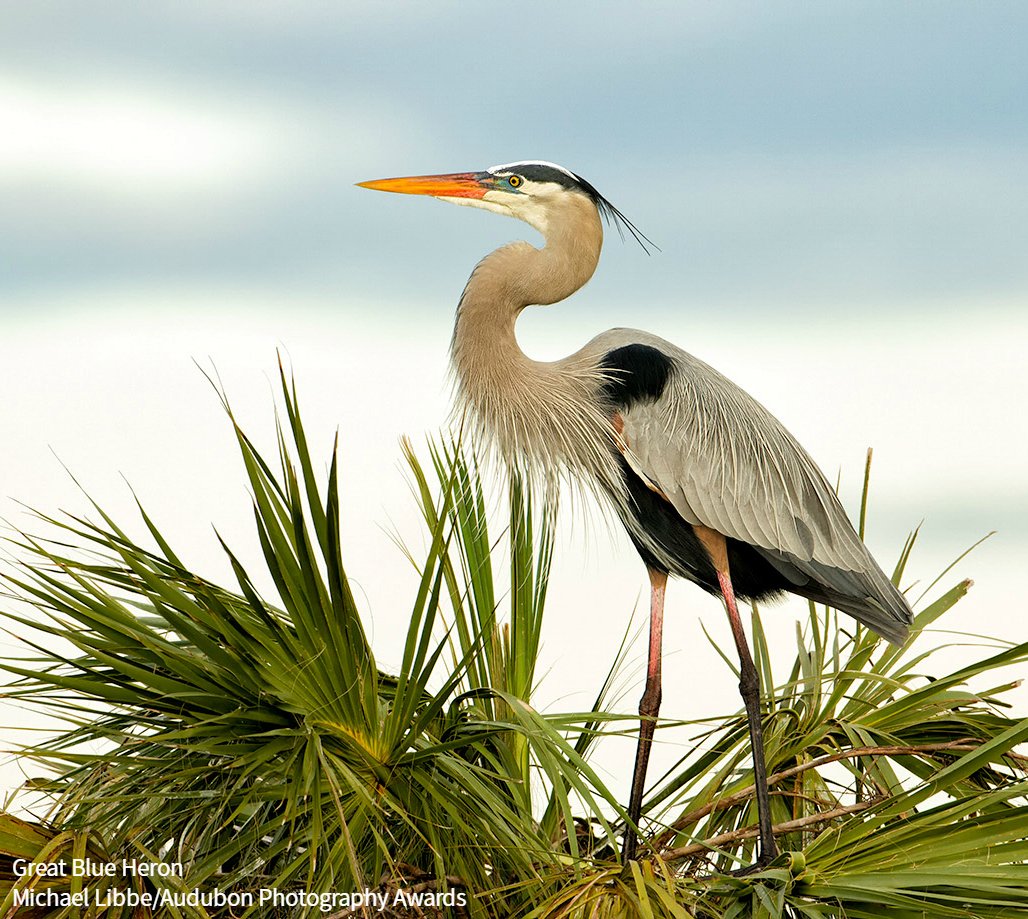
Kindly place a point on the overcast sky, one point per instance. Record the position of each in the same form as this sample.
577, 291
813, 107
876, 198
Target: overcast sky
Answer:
837, 189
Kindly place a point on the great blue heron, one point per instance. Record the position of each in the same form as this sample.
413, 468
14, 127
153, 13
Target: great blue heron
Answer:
708, 483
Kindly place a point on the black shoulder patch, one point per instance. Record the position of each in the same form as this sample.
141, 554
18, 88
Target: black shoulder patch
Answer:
636, 373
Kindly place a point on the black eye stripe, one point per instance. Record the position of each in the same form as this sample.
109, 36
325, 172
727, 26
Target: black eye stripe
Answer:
540, 172
547, 172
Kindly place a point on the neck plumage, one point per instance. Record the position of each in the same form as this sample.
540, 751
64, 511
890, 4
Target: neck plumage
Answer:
543, 416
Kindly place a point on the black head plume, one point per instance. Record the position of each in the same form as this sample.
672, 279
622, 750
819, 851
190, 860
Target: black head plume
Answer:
539, 171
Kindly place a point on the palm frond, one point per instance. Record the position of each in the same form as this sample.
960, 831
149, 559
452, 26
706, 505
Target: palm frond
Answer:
253, 737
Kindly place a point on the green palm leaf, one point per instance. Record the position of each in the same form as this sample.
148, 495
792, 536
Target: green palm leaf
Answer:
254, 739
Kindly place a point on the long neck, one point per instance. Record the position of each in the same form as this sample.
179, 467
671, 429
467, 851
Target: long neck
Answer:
511, 278
526, 407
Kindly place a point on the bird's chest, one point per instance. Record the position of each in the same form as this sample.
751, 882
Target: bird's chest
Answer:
541, 418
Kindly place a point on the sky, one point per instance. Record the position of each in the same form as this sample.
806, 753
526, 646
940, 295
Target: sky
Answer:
837, 191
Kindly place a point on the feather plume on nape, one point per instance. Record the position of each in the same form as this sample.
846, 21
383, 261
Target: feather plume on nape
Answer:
613, 216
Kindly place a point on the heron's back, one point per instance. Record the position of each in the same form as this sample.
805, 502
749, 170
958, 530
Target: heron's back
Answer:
699, 450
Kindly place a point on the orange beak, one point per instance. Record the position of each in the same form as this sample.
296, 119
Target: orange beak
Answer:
454, 185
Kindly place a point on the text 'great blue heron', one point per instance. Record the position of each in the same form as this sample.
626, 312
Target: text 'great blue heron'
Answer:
708, 483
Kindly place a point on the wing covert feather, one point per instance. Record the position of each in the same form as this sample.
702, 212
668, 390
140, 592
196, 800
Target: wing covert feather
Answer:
725, 462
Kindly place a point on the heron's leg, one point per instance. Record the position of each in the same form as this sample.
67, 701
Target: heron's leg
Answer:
749, 687
649, 707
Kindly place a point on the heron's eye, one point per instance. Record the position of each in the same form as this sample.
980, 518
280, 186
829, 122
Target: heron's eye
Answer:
514, 181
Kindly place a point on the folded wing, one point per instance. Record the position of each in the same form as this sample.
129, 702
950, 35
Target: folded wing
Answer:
723, 461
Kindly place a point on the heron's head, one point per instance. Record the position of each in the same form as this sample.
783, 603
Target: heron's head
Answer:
542, 194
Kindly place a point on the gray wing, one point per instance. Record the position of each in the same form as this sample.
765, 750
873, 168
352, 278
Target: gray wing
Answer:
727, 463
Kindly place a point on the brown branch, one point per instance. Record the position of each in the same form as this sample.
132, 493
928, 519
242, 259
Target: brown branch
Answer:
964, 745
750, 832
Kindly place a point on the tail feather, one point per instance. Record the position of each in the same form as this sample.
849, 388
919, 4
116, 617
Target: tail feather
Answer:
868, 596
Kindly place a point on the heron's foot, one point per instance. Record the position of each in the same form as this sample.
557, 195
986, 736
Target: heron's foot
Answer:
636, 849
760, 864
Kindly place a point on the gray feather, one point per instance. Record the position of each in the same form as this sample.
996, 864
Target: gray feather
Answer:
727, 463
